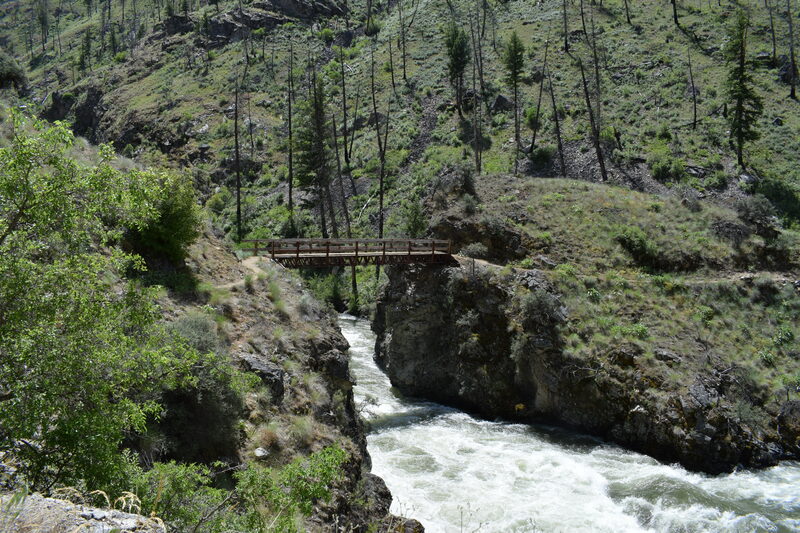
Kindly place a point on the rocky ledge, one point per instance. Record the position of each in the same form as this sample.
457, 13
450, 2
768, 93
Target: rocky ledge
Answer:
490, 341
36, 513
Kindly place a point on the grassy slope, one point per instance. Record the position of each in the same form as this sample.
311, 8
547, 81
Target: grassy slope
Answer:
644, 89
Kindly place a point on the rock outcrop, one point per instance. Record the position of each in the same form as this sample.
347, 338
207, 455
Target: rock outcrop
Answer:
34, 513
490, 341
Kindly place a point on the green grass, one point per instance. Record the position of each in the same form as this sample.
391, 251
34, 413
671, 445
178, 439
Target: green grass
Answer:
726, 318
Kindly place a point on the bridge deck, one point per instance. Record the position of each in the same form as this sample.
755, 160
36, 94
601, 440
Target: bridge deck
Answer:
296, 253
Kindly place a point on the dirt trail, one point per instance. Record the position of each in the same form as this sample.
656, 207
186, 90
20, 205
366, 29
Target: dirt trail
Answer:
251, 264
686, 278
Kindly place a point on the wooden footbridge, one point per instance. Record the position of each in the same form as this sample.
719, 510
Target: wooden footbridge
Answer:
309, 253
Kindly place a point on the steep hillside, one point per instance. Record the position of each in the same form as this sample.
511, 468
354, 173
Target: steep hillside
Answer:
165, 85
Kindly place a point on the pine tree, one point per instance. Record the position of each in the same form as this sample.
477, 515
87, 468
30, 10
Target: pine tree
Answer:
458, 55
745, 103
514, 62
313, 157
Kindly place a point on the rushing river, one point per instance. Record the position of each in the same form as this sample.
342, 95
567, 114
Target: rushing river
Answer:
456, 473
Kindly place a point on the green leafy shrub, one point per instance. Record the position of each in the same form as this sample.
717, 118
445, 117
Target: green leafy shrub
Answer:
636, 242
263, 500
542, 155
326, 35
176, 223
372, 27
784, 196
663, 165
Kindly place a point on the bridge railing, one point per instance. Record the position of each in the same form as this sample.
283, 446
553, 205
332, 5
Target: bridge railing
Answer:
282, 248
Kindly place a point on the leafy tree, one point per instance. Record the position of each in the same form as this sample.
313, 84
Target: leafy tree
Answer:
514, 62
746, 104
458, 55
81, 356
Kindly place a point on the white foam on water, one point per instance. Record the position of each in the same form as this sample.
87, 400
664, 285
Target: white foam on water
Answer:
456, 473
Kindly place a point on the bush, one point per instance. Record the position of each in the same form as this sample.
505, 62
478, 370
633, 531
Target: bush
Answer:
759, 213
663, 165
784, 196
372, 27
542, 155
476, 250
636, 242
176, 224
11, 74
539, 307
216, 204
199, 420
326, 35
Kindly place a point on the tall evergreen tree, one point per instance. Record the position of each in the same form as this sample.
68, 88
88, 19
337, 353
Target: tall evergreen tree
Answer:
458, 55
745, 103
313, 157
514, 62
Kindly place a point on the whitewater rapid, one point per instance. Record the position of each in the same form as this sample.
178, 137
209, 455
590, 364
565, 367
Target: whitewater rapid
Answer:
455, 473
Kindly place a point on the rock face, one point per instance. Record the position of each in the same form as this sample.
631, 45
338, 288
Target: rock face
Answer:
490, 342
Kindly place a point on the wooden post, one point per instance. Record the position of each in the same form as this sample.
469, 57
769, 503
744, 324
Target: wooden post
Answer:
409, 247
327, 249
297, 249
273, 248
256, 250
356, 251
384, 249
433, 248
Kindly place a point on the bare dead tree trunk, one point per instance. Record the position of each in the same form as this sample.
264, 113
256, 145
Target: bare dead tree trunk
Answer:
478, 100
345, 209
596, 64
566, 30
391, 68
694, 91
627, 12
250, 129
381, 151
541, 90
289, 98
558, 126
593, 125
238, 172
583, 21
353, 133
344, 106
402, 39
792, 62
675, 12
772, 32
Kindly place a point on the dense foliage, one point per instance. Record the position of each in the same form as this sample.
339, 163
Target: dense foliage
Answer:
263, 500
82, 358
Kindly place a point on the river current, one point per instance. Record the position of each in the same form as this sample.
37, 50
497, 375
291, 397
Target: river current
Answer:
456, 473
